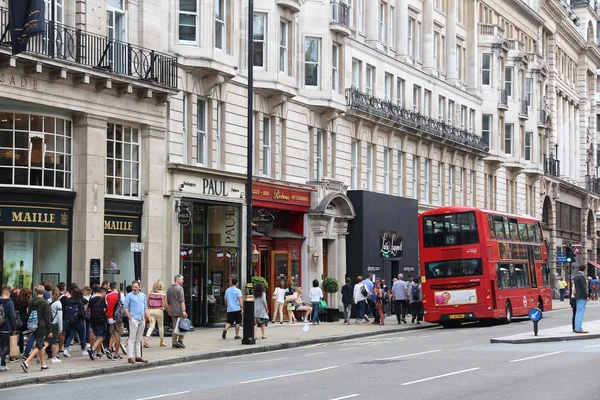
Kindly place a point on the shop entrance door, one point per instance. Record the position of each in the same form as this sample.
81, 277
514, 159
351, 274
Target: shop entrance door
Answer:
194, 278
280, 268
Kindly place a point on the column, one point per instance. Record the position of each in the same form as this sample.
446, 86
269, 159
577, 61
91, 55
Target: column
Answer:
402, 30
558, 129
428, 66
153, 160
333, 299
451, 71
552, 255
472, 61
579, 152
89, 163
372, 22
568, 136
341, 267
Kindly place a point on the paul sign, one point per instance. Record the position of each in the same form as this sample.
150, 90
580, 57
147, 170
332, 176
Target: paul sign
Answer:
390, 244
184, 216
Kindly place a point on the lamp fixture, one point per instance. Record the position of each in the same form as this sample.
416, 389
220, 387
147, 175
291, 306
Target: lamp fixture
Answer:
255, 255
314, 255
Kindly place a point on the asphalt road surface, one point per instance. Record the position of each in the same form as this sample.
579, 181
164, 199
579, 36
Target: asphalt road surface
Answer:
433, 363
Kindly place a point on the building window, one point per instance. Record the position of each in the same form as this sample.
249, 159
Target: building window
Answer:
360, 15
369, 167
450, 112
400, 92
486, 69
382, 28
266, 146
450, 185
122, 160
400, 173
386, 171
350, 13
283, 46
354, 165
528, 145
312, 59
427, 103
461, 189
441, 108
508, 138
426, 183
370, 84
260, 44
436, 43
388, 87
188, 21
35, 150
320, 150
356, 69
528, 91
486, 129
471, 187
508, 80
471, 119
416, 98
415, 177
409, 39
220, 30
463, 117
201, 132
440, 184
335, 68
391, 26
417, 41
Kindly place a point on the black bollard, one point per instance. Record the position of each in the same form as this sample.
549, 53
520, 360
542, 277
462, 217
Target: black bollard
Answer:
248, 323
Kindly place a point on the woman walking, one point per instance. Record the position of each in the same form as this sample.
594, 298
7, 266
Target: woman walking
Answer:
74, 322
261, 315
157, 301
360, 298
379, 302
56, 320
316, 295
290, 298
279, 297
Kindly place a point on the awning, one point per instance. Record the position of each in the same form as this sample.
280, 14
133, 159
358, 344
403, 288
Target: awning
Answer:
595, 265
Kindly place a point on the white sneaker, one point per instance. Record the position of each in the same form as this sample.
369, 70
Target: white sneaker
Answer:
55, 361
84, 353
3, 368
66, 353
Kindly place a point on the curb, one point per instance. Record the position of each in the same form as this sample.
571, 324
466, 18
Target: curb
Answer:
200, 357
546, 339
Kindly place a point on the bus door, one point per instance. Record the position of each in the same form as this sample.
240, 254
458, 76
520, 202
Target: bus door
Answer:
532, 270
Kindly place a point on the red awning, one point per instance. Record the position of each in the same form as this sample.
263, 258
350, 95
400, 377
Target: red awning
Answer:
595, 265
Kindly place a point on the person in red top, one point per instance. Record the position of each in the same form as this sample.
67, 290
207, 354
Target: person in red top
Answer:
115, 327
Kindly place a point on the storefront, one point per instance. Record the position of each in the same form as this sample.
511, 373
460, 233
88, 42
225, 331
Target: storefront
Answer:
122, 227
35, 237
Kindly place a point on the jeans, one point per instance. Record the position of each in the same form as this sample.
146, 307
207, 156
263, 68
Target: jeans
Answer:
360, 309
4, 347
562, 294
347, 311
581, 304
136, 333
30, 344
76, 328
315, 312
400, 306
416, 311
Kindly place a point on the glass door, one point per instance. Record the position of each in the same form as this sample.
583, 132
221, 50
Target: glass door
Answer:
116, 30
280, 267
194, 279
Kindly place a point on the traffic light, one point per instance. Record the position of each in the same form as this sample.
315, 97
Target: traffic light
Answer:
570, 254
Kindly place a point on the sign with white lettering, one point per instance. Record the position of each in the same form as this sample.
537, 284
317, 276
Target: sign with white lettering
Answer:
184, 216
122, 225
12, 216
137, 247
390, 244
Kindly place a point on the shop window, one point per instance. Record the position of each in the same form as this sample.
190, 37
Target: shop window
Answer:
122, 160
223, 226
35, 150
118, 256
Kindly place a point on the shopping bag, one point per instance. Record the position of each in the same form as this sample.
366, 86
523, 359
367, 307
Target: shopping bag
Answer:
306, 327
184, 325
14, 347
322, 305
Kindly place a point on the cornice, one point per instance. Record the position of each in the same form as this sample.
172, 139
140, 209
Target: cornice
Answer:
95, 121
527, 11
566, 29
555, 10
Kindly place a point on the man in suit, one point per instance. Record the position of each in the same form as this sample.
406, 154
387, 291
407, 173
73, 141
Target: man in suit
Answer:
581, 297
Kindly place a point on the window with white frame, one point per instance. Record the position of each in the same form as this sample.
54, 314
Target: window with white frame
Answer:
360, 15
471, 119
201, 132
441, 108
415, 177
426, 182
350, 4
410, 37
416, 98
508, 80
370, 84
427, 103
391, 26
312, 62
356, 70
450, 112
472, 187
463, 117
486, 69
508, 138
418, 46
354, 165
528, 145
260, 43
122, 160
400, 173
436, 43
388, 86
461, 189
220, 120
116, 29
320, 151
188, 21
450, 185
528, 91
369, 166
400, 92
54, 11
220, 26
486, 129
335, 68
382, 19
284, 32
266, 146
386, 171
440, 184
489, 198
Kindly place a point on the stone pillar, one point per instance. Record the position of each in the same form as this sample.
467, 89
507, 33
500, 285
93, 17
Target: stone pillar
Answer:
153, 161
372, 24
89, 165
402, 31
341, 264
552, 252
451, 71
472, 62
333, 299
428, 66
559, 133
577, 153
567, 129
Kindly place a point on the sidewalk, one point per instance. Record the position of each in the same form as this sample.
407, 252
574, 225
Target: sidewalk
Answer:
202, 344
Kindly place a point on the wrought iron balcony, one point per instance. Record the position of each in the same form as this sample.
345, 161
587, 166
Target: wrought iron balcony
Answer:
592, 184
551, 166
503, 101
340, 18
64, 43
380, 108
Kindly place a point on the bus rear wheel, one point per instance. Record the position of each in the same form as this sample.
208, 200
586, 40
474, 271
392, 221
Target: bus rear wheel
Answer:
508, 313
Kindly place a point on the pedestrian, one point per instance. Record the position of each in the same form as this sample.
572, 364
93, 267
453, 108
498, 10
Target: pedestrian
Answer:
290, 298
399, 294
233, 302
157, 302
594, 286
114, 315
261, 315
22, 306
369, 305
300, 305
97, 307
360, 298
347, 300
573, 303
378, 298
176, 308
56, 317
47, 291
581, 296
562, 285
316, 295
279, 297
75, 321
416, 301
8, 326
386, 296
137, 313
64, 299
41, 308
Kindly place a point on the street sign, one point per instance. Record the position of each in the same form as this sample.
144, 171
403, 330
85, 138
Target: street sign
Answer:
561, 259
137, 247
535, 314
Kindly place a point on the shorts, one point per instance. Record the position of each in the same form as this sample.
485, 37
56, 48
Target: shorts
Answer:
261, 321
116, 329
40, 338
99, 329
234, 317
54, 338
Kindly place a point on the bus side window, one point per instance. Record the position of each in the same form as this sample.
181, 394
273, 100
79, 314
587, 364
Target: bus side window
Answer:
514, 230
499, 228
523, 236
506, 229
538, 233
531, 231
491, 226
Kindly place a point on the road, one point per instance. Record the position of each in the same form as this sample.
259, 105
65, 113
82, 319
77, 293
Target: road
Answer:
433, 363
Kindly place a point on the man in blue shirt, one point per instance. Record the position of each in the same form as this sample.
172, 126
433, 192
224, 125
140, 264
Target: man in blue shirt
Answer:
370, 305
399, 294
233, 301
137, 312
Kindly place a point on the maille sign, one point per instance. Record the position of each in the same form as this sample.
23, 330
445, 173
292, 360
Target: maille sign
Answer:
121, 225
281, 195
13, 216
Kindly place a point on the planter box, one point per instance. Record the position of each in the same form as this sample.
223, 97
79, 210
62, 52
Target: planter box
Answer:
333, 315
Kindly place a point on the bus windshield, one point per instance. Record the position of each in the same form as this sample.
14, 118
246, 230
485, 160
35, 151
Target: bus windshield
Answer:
453, 268
450, 230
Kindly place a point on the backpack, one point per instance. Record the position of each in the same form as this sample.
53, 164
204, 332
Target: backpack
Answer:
415, 292
72, 313
119, 312
2, 315
32, 321
96, 309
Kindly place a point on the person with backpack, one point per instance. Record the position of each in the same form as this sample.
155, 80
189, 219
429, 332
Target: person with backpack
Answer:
56, 316
347, 300
40, 324
74, 322
8, 325
114, 315
416, 301
97, 308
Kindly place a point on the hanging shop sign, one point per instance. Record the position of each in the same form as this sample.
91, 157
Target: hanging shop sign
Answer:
15, 216
184, 216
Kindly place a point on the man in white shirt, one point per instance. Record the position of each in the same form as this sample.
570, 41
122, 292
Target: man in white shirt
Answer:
399, 295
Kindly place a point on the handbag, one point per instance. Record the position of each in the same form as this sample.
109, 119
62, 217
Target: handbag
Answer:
14, 347
322, 305
364, 291
184, 325
291, 307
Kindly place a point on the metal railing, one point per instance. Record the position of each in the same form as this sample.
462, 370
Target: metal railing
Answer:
592, 184
551, 166
380, 108
524, 109
503, 98
65, 43
340, 13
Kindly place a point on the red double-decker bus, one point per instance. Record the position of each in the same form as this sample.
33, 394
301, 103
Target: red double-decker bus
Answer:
477, 264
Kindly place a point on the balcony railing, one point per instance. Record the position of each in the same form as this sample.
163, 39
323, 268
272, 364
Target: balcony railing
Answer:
592, 184
61, 42
524, 112
551, 166
380, 108
340, 13
503, 102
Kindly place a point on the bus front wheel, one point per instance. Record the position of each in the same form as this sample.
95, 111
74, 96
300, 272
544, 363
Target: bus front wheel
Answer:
508, 315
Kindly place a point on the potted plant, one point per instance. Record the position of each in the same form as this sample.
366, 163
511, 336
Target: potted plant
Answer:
331, 285
256, 279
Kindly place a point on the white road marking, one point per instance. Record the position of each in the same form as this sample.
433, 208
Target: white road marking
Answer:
541, 355
346, 397
594, 345
258, 361
423, 337
163, 395
286, 375
314, 354
408, 355
446, 333
441, 376
348, 348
